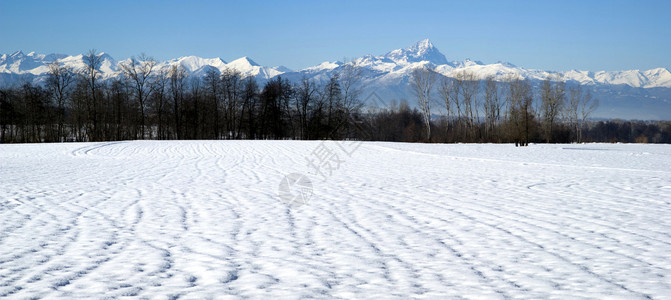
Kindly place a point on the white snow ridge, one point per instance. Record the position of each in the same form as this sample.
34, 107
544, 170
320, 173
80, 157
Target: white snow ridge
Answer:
203, 219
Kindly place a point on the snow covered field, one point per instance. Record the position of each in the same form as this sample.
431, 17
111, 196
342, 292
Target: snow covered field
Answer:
197, 219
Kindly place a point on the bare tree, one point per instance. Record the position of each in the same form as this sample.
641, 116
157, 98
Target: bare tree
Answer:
579, 108
457, 85
58, 83
139, 71
90, 75
7, 115
158, 88
350, 76
177, 79
571, 111
422, 83
276, 115
469, 89
350, 79
335, 112
196, 125
232, 90
118, 94
492, 106
552, 101
587, 106
250, 95
449, 92
520, 111
213, 89
304, 98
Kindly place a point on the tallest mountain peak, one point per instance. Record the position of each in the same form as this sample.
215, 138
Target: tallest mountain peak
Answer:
424, 44
419, 51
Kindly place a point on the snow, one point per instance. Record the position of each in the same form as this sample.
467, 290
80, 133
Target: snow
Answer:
244, 62
193, 63
282, 69
37, 64
659, 77
420, 51
247, 67
582, 77
325, 66
202, 219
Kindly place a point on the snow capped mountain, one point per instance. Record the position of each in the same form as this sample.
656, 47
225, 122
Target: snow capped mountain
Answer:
193, 63
247, 67
38, 64
387, 75
22, 65
18, 62
325, 66
659, 77
197, 66
403, 61
419, 52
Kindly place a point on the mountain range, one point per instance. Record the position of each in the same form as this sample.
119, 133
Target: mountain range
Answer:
630, 94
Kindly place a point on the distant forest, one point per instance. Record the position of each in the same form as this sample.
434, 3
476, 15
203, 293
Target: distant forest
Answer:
147, 103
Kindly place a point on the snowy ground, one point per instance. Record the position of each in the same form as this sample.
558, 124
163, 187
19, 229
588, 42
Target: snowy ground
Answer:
203, 219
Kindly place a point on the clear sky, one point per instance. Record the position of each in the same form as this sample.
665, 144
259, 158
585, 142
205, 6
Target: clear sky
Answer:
548, 35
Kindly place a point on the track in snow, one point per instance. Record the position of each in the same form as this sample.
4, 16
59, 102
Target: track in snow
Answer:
202, 218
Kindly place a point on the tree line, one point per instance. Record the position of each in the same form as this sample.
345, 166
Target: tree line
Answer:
486, 110
514, 111
146, 102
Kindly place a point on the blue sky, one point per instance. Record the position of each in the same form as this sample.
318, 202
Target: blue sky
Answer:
548, 35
